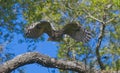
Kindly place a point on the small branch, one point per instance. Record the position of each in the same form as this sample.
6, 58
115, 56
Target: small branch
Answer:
34, 57
110, 20
95, 18
89, 15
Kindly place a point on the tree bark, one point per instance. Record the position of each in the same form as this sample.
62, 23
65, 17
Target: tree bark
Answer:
34, 57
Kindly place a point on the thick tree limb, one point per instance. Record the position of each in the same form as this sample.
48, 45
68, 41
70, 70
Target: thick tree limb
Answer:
34, 57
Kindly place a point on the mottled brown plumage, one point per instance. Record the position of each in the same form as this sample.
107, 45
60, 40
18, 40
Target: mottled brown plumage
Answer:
73, 29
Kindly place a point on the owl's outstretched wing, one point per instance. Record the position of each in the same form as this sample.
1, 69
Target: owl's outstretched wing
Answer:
77, 32
36, 29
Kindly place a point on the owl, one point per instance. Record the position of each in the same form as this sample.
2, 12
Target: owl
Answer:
73, 29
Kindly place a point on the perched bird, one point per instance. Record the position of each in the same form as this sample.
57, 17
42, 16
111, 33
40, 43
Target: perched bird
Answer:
73, 29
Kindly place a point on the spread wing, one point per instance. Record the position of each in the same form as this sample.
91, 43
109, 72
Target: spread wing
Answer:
77, 32
36, 29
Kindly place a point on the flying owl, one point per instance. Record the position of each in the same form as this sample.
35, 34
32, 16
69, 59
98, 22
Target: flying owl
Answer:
73, 29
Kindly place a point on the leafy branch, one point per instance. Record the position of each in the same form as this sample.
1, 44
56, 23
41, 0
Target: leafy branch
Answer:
101, 35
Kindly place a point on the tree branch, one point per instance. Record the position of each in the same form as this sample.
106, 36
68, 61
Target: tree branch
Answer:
34, 57
98, 46
110, 20
99, 38
89, 15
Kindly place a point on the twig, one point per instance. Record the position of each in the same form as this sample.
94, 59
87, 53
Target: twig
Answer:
111, 20
89, 15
